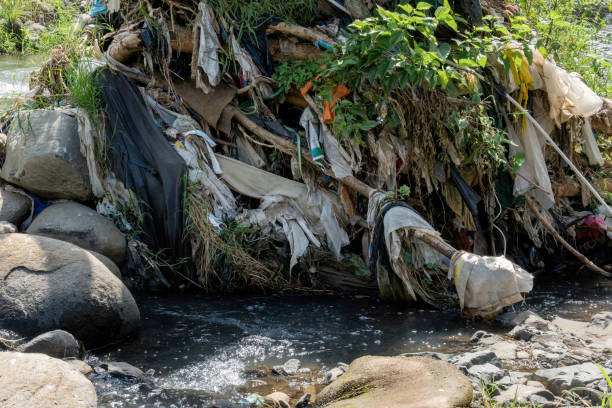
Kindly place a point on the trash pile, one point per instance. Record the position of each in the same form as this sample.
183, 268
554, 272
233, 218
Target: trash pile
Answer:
424, 150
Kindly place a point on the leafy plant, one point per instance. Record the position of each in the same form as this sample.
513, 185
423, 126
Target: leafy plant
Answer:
295, 74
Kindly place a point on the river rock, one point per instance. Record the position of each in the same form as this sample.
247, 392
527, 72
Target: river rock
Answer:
290, 367
7, 228
50, 284
394, 382
519, 395
473, 358
82, 226
37, 380
56, 343
568, 377
277, 400
2, 146
14, 207
124, 370
486, 372
43, 155
108, 263
79, 365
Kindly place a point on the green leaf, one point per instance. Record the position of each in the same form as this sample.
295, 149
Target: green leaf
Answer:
443, 78
451, 22
368, 124
482, 61
517, 162
423, 6
444, 50
466, 62
407, 8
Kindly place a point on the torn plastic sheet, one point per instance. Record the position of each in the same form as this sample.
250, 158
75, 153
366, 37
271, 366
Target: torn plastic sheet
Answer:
568, 94
181, 123
207, 73
314, 211
200, 173
247, 153
486, 284
393, 225
590, 145
533, 174
337, 157
209, 145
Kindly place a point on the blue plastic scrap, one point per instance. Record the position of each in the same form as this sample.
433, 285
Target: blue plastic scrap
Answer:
98, 8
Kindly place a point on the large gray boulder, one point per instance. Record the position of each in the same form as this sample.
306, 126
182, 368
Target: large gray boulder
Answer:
75, 223
398, 382
14, 207
43, 155
56, 343
36, 380
49, 284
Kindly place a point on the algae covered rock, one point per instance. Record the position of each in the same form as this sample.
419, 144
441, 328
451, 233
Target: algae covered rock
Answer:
43, 155
49, 284
36, 380
80, 225
398, 382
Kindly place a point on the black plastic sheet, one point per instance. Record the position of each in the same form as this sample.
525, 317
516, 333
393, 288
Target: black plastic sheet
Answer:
142, 158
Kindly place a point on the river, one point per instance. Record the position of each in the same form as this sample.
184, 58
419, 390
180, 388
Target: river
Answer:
205, 351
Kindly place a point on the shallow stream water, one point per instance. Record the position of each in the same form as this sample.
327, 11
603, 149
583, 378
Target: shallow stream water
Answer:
14, 77
205, 351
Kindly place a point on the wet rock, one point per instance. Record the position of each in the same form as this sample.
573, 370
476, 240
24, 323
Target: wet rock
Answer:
2, 146
79, 365
120, 369
394, 382
56, 343
50, 284
521, 333
486, 372
333, 374
429, 354
43, 155
37, 380
7, 228
304, 370
80, 225
14, 207
290, 367
303, 402
473, 358
511, 319
564, 378
520, 394
278, 400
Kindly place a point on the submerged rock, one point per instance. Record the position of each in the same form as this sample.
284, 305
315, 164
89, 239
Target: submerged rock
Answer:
56, 343
124, 370
394, 382
14, 207
37, 380
43, 155
82, 226
50, 284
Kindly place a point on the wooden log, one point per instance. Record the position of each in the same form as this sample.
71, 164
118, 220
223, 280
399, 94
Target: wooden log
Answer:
563, 242
302, 52
299, 32
124, 45
127, 43
287, 147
